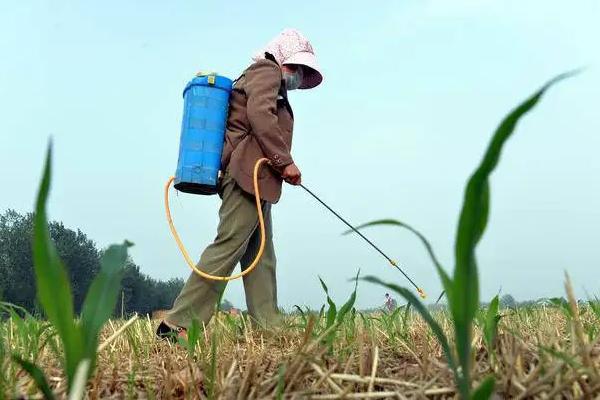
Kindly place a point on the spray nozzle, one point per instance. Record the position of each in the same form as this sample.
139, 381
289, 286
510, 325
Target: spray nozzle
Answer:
421, 291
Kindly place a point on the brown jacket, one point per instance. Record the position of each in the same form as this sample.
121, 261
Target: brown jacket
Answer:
260, 124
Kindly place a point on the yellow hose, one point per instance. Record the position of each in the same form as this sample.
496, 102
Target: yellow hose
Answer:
261, 224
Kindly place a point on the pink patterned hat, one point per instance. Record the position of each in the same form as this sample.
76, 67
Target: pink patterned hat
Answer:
291, 47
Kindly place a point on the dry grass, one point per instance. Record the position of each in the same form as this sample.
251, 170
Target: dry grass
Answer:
540, 353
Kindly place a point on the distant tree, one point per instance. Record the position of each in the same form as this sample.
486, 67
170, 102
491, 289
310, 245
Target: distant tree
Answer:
167, 292
507, 301
140, 293
143, 295
16, 266
16, 259
81, 257
133, 290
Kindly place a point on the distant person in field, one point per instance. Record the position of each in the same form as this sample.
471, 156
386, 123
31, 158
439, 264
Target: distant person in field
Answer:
390, 303
260, 124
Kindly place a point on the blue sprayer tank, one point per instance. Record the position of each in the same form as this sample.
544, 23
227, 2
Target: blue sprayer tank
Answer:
206, 103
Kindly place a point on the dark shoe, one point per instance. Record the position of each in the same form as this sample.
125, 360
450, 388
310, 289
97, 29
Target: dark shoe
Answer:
165, 332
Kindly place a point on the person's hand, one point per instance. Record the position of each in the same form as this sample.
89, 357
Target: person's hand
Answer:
291, 174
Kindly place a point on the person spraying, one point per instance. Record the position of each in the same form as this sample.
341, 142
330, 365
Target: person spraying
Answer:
390, 303
259, 125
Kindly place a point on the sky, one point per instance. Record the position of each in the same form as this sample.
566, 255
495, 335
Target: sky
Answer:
412, 93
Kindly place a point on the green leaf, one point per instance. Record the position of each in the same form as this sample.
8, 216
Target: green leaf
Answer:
332, 310
440, 296
350, 302
426, 315
79, 381
37, 375
302, 315
396, 312
491, 322
464, 301
485, 389
324, 286
53, 287
405, 318
280, 382
102, 297
346, 307
193, 335
9, 308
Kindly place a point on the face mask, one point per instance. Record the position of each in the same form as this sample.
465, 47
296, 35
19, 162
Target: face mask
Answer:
293, 80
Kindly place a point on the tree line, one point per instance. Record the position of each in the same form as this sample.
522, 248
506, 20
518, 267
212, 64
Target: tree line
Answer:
139, 292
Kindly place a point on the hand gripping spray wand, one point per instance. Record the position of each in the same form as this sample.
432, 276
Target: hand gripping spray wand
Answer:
206, 99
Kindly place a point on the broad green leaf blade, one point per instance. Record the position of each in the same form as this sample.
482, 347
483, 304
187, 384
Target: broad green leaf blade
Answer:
491, 321
324, 286
350, 303
37, 375
426, 315
102, 296
53, 287
332, 310
441, 271
464, 301
485, 389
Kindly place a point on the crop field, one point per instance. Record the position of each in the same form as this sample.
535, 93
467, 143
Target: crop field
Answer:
464, 347
536, 353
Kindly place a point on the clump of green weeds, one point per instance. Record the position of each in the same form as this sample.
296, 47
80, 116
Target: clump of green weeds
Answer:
334, 318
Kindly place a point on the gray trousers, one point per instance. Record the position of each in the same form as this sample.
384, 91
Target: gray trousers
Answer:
237, 241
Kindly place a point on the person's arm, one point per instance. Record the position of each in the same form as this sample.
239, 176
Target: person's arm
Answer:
263, 80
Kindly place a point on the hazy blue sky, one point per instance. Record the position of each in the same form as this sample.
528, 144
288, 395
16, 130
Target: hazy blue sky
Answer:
412, 92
